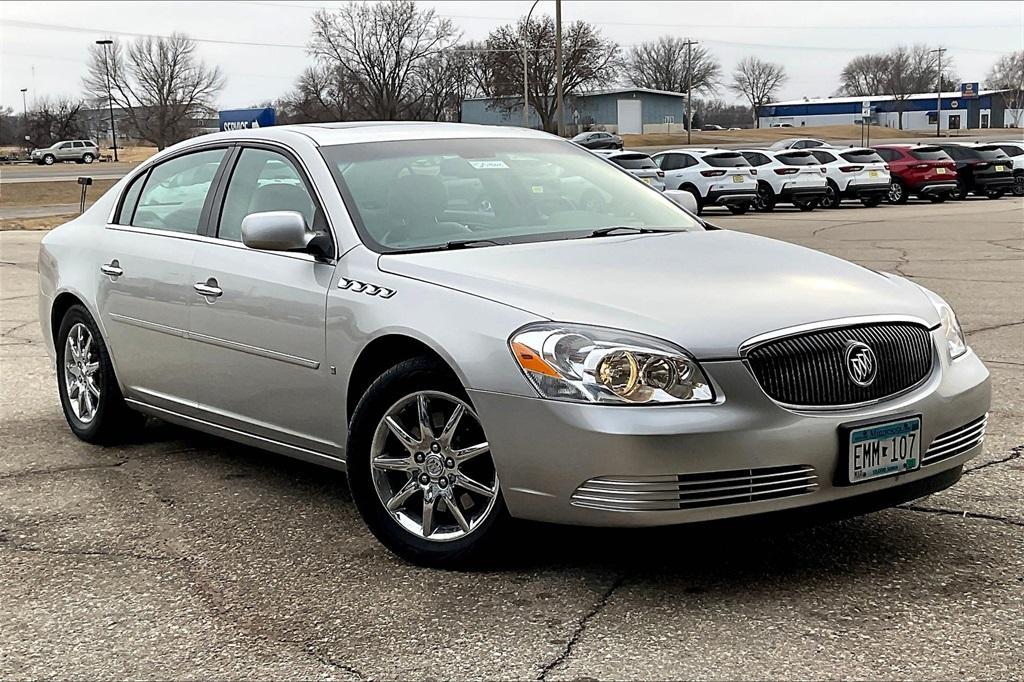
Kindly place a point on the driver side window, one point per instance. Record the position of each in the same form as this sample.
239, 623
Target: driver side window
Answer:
176, 191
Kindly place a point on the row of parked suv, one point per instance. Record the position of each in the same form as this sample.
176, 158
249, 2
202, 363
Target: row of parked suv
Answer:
810, 173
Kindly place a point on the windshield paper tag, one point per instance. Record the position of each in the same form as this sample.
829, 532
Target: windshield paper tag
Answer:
488, 164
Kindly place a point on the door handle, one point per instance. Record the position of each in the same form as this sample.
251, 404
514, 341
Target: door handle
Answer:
209, 288
112, 269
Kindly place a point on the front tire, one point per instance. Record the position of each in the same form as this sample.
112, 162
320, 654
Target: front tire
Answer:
995, 194
765, 201
935, 197
871, 201
961, 191
831, 198
89, 393
420, 468
738, 209
49, 160
1018, 185
806, 204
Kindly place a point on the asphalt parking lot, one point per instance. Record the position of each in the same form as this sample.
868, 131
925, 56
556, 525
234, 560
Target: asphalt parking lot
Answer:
184, 556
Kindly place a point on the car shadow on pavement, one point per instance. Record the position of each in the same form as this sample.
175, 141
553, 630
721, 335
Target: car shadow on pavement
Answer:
733, 553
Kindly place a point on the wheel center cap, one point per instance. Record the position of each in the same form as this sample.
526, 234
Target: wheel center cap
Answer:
434, 466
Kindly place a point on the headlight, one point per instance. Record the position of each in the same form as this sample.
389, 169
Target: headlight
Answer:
956, 344
597, 365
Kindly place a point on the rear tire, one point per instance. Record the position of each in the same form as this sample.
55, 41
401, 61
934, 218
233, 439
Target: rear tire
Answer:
897, 193
738, 209
394, 498
1018, 185
765, 201
831, 198
89, 393
87, 158
697, 198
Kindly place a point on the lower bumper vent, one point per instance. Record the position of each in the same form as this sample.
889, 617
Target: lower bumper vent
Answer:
956, 442
691, 491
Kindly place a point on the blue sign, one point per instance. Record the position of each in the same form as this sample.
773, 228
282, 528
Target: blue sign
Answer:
241, 119
969, 90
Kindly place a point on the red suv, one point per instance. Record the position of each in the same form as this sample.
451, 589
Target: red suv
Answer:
921, 169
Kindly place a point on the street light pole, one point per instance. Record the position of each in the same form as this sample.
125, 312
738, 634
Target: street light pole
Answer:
938, 91
526, 68
689, 86
24, 118
110, 99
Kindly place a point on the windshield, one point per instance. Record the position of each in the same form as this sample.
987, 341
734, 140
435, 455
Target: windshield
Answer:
422, 194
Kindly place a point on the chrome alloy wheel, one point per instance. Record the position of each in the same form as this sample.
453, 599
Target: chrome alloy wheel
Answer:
81, 364
431, 466
895, 192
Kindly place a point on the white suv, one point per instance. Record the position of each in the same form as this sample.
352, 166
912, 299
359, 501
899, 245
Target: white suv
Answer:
1015, 150
853, 173
713, 176
792, 176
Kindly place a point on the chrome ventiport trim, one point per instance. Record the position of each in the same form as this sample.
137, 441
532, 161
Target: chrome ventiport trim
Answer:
365, 288
761, 339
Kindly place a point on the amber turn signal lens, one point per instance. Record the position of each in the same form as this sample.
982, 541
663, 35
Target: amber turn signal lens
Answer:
531, 362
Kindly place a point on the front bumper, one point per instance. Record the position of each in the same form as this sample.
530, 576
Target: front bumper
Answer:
731, 196
546, 450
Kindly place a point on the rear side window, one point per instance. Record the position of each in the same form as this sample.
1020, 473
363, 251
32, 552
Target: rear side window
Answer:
888, 154
129, 201
1012, 150
725, 160
798, 159
862, 156
176, 191
822, 156
634, 162
263, 180
929, 154
754, 158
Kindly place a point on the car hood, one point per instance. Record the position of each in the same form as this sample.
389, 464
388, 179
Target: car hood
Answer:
707, 291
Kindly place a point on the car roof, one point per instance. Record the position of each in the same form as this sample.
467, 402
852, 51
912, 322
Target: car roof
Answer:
355, 132
699, 151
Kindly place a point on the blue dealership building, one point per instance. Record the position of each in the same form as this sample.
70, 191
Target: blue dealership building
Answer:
968, 108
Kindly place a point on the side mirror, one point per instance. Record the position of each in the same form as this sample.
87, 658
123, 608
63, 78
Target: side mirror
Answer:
680, 197
276, 231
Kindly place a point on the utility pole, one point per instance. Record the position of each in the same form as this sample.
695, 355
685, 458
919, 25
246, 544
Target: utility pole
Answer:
938, 91
110, 99
689, 86
559, 93
24, 118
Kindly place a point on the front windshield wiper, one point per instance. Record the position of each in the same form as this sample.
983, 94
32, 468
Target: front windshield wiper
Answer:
470, 243
605, 231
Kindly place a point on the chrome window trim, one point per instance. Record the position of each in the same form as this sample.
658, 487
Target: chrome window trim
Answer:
217, 241
767, 337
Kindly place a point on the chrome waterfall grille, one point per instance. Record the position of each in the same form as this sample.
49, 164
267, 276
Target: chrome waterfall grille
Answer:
691, 491
813, 369
956, 442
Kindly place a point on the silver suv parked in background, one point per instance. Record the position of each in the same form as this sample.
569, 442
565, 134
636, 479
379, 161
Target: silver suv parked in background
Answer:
79, 151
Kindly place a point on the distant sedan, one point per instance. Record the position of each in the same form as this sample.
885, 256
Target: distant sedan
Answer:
598, 139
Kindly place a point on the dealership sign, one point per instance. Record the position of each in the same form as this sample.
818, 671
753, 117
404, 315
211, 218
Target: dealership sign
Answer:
239, 119
969, 90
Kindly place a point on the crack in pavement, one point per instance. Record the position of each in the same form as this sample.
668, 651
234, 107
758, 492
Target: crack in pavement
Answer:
328, 661
111, 554
962, 513
1015, 453
995, 326
581, 626
59, 470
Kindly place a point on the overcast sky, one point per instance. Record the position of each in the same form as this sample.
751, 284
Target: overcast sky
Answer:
43, 44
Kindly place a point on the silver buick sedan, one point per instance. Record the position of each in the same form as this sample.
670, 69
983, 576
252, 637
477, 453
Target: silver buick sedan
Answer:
483, 323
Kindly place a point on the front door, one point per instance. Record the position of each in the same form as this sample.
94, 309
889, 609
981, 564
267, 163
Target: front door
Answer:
259, 337
145, 289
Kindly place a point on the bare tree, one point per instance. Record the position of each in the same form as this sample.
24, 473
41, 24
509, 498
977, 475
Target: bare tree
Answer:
448, 79
51, 120
864, 76
662, 65
757, 81
321, 94
386, 50
589, 60
1008, 74
911, 70
159, 83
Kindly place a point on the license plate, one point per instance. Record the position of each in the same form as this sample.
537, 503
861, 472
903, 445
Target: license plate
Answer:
738, 178
872, 174
940, 171
1000, 169
885, 449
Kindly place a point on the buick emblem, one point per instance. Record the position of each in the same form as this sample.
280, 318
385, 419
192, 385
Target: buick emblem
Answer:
861, 363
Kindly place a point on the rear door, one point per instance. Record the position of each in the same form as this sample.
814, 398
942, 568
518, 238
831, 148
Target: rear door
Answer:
802, 169
729, 171
260, 340
146, 289
864, 167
